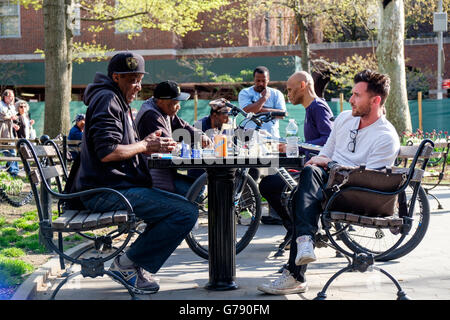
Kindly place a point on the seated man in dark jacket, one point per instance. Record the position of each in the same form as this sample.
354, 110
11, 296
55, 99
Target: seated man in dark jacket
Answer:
112, 156
160, 113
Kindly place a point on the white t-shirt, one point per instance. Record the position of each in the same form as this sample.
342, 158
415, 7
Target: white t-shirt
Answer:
376, 146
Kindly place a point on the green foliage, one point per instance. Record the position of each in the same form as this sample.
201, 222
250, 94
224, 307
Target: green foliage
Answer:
31, 243
2, 221
73, 237
342, 74
11, 185
12, 252
12, 270
417, 81
27, 225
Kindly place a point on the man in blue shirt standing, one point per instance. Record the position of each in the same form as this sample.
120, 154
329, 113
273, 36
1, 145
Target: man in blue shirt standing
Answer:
261, 98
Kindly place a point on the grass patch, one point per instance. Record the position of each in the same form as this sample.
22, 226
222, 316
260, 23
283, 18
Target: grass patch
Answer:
19, 238
2, 221
11, 185
16, 240
12, 271
12, 252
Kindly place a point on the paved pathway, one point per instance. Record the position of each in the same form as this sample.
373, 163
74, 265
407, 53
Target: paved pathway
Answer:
424, 273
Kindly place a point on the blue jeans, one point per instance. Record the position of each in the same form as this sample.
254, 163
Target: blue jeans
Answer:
13, 166
307, 207
169, 218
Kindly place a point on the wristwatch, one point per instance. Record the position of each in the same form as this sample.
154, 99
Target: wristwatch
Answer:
331, 164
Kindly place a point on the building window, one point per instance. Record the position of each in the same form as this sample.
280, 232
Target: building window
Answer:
125, 25
9, 19
77, 21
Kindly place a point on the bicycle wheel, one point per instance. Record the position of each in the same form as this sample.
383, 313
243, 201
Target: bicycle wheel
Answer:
377, 241
247, 214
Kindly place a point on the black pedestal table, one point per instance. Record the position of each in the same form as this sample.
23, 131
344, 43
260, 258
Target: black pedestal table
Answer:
221, 223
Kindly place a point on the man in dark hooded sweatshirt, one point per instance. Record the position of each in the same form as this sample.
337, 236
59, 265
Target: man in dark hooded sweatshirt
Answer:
112, 155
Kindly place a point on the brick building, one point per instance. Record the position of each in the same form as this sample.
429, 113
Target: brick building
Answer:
168, 56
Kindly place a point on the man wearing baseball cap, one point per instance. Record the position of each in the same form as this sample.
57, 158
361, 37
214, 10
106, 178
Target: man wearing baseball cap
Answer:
112, 155
160, 113
217, 116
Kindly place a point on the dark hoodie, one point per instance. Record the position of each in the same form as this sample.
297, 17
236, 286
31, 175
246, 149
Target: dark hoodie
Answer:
108, 124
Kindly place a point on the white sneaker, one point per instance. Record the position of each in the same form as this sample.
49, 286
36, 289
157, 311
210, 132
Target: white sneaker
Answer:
305, 251
285, 284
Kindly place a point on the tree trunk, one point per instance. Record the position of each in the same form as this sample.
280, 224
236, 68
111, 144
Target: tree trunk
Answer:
391, 60
304, 44
57, 68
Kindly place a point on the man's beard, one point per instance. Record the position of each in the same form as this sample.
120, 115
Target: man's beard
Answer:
259, 88
361, 112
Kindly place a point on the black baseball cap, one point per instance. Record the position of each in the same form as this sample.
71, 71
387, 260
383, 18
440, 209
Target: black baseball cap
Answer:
170, 90
126, 62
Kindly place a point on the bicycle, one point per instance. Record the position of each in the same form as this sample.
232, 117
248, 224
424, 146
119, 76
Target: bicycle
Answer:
247, 199
356, 238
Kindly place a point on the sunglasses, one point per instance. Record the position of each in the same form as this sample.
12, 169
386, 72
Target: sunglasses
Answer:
352, 144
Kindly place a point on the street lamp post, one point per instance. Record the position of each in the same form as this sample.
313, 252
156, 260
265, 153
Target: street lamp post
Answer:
440, 26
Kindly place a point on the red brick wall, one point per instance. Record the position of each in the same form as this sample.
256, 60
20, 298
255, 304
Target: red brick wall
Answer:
32, 37
423, 57
32, 34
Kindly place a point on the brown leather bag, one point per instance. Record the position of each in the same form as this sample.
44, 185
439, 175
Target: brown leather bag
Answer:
360, 202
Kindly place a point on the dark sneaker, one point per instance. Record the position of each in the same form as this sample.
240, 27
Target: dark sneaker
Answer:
139, 280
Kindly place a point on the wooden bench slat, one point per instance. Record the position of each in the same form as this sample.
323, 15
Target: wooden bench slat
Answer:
410, 151
49, 172
10, 159
441, 144
120, 216
91, 220
381, 222
394, 221
106, 218
352, 217
365, 220
336, 215
63, 220
41, 151
417, 176
77, 222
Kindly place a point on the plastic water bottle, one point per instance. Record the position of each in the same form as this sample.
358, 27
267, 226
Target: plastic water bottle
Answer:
291, 139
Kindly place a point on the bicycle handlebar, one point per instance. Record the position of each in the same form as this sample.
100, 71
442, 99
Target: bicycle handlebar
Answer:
258, 118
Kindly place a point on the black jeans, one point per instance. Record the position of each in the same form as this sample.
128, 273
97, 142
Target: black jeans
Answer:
271, 188
307, 207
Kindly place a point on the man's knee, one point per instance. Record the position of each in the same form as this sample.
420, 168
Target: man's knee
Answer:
309, 171
270, 185
189, 216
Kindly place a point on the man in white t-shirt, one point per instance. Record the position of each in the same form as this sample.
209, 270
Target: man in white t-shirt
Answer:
362, 136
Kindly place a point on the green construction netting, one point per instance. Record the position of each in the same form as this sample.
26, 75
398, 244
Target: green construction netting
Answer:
435, 113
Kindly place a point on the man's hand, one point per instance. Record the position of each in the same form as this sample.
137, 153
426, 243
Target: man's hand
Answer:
282, 147
16, 127
206, 142
155, 143
265, 94
320, 161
